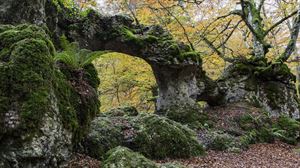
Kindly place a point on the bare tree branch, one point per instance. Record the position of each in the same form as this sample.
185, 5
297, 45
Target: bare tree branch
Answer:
293, 39
180, 24
261, 4
280, 21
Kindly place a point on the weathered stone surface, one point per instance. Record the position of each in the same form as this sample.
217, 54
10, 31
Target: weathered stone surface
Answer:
32, 133
16, 12
175, 64
41, 112
269, 86
151, 135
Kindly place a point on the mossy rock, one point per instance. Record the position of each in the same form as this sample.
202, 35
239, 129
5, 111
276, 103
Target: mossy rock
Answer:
26, 73
153, 136
122, 111
33, 88
159, 137
190, 115
105, 134
122, 157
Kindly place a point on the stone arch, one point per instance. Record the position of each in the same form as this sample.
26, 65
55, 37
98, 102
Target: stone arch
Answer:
174, 64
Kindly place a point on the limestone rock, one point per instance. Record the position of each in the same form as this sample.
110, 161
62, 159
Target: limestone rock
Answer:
150, 135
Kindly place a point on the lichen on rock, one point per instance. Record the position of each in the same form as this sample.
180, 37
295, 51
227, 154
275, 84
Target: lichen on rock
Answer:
39, 107
268, 85
152, 135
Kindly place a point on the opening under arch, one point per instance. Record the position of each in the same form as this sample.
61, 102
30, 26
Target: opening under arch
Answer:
126, 81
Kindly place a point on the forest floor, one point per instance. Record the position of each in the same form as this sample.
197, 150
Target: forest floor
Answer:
263, 155
276, 155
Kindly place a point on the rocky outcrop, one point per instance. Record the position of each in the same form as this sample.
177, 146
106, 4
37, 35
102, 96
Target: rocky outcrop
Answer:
267, 85
174, 64
41, 115
16, 12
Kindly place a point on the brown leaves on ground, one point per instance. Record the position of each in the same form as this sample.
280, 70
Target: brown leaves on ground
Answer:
277, 155
224, 116
83, 161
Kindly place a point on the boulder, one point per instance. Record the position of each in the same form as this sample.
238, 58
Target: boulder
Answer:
266, 85
40, 110
153, 136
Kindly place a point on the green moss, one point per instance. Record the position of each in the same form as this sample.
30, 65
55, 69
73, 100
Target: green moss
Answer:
190, 115
152, 135
191, 54
129, 36
65, 95
91, 75
11, 36
28, 68
31, 85
160, 138
126, 158
105, 134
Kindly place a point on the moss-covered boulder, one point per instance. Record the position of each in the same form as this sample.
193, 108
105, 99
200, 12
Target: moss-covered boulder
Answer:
153, 136
126, 158
40, 110
267, 85
191, 115
105, 134
159, 137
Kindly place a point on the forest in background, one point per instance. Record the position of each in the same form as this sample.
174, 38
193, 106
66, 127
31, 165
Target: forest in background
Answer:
207, 26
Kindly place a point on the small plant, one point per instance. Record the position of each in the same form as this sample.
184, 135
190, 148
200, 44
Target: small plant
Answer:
75, 57
287, 129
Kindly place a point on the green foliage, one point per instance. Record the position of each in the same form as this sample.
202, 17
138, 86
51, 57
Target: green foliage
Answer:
287, 129
125, 81
126, 158
75, 57
221, 141
265, 129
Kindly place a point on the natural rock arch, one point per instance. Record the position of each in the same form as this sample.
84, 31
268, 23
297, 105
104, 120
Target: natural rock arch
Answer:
176, 66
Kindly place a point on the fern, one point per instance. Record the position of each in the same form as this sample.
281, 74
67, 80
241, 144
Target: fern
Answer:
75, 57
